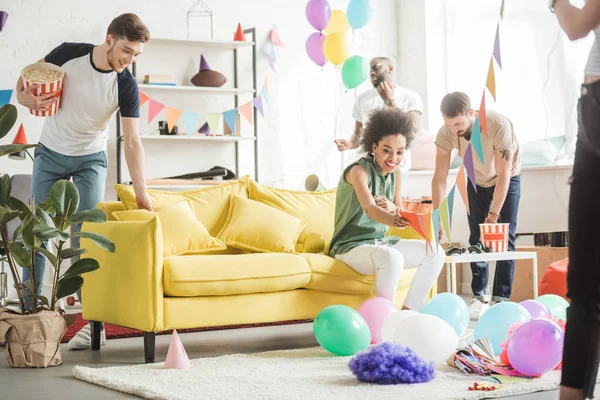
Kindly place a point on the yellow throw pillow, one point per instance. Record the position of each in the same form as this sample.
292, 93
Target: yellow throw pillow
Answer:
256, 227
210, 204
317, 209
182, 232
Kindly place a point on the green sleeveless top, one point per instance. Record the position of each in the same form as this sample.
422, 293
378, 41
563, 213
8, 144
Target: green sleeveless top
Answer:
352, 225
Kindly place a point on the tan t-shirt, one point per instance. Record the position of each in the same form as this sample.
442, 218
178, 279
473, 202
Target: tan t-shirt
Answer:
501, 137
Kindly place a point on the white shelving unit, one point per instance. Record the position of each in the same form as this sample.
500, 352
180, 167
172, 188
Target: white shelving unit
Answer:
195, 45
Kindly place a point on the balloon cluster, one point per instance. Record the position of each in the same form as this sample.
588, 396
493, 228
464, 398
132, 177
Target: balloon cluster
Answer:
331, 42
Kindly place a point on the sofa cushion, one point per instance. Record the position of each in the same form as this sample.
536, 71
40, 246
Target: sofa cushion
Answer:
210, 204
182, 232
315, 208
220, 275
331, 275
256, 227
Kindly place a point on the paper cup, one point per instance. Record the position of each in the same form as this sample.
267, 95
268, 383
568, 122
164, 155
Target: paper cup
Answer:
495, 236
54, 86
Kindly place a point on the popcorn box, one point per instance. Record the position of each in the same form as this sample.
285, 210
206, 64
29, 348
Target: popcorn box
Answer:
495, 236
49, 77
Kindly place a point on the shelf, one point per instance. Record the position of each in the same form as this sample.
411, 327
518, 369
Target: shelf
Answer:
198, 89
228, 138
216, 44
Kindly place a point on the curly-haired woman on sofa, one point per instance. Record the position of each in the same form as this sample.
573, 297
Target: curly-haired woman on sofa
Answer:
368, 201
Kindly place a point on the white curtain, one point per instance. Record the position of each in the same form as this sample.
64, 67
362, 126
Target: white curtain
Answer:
538, 84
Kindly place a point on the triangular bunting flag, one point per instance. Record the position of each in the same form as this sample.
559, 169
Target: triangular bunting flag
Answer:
461, 183
451, 204
490, 82
427, 225
204, 129
154, 109
435, 221
502, 10
230, 118
3, 18
143, 98
177, 358
190, 119
266, 86
497, 47
213, 122
483, 115
5, 96
264, 96
444, 214
272, 65
476, 140
246, 111
258, 104
468, 163
173, 115
274, 37
416, 222
272, 53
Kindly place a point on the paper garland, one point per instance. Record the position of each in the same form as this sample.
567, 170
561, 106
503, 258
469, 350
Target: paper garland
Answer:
476, 140
497, 47
461, 183
5, 96
483, 115
490, 82
468, 163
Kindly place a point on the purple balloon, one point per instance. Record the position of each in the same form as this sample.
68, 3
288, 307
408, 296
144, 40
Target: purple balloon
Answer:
314, 48
537, 309
318, 13
536, 347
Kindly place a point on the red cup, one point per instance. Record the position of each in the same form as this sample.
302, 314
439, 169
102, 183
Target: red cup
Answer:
54, 86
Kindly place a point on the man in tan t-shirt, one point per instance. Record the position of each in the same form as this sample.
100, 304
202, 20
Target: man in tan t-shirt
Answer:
498, 187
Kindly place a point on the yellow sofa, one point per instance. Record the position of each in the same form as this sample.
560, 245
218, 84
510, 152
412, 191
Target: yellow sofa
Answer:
142, 286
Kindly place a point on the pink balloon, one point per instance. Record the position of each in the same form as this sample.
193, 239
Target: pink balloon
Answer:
314, 48
537, 309
318, 13
375, 311
536, 347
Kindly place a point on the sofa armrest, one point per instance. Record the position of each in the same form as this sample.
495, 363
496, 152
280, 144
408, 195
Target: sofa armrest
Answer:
313, 243
127, 289
109, 207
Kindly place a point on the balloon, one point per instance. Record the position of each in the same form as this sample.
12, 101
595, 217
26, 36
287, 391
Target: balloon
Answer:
496, 321
338, 23
359, 13
451, 308
392, 322
429, 336
557, 305
341, 330
375, 311
536, 308
536, 347
318, 13
355, 71
314, 48
335, 48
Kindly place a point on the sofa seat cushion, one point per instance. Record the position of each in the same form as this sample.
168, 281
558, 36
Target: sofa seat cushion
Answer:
221, 275
331, 275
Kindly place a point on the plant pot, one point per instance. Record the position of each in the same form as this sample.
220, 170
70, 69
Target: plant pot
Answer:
32, 340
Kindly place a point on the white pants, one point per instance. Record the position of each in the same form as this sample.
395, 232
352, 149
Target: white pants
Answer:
387, 263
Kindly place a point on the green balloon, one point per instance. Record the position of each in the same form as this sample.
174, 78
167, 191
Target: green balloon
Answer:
355, 71
557, 305
341, 330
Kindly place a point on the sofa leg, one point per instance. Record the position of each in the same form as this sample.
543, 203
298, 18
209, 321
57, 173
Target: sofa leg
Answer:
149, 347
96, 326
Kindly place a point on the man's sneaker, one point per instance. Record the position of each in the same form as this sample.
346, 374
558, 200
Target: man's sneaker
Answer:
477, 308
479, 248
83, 339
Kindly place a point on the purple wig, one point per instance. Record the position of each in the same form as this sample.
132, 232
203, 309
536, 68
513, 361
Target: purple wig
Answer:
389, 364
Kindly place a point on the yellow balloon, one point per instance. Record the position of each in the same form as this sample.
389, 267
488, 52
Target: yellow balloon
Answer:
335, 48
338, 23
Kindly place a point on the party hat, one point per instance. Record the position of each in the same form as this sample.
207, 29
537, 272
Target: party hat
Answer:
176, 356
203, 64
3, 18
239, 34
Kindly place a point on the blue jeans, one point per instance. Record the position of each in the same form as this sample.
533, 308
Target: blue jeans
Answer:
89, 176
480, 204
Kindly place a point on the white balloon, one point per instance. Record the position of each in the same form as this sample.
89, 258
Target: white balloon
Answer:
432, 338
392, 322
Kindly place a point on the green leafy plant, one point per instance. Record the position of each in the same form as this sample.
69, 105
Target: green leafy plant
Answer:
47, 221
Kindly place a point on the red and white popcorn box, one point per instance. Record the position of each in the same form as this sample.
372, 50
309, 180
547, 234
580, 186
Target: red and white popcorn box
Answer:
50, 78
495, 236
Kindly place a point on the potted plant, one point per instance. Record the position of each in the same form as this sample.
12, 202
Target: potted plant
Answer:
33, 333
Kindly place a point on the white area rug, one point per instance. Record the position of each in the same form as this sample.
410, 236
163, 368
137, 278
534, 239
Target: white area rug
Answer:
289, 374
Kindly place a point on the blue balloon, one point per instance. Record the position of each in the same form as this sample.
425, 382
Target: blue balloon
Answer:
496, 321
359, 13
451, 308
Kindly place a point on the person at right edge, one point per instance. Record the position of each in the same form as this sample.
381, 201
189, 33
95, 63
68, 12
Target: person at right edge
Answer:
581, 349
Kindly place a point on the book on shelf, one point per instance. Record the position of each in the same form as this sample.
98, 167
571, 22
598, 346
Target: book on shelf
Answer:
166, 80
